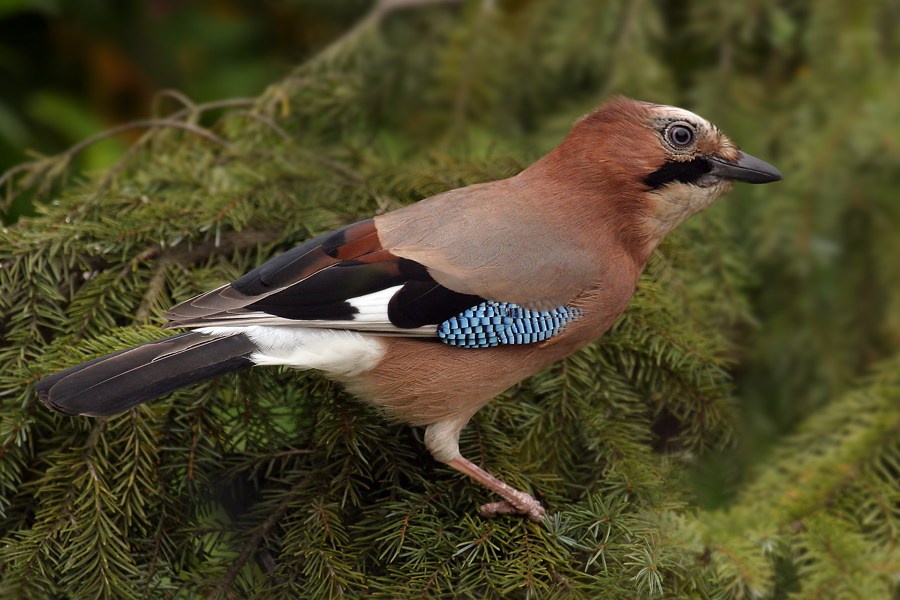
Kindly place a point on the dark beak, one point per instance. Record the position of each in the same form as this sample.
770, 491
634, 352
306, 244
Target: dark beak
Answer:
745, 168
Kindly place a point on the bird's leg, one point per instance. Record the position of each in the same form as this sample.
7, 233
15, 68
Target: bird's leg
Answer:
442, 440
514, 502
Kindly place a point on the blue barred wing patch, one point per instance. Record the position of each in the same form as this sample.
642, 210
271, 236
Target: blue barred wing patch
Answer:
500, 323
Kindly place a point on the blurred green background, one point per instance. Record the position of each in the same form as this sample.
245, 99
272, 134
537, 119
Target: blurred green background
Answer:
70, 69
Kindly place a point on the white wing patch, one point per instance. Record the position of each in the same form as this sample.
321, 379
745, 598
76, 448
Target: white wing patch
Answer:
335, 351
373, 308
372, 317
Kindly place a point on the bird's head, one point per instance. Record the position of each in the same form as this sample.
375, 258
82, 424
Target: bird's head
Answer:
692, 164
658, 164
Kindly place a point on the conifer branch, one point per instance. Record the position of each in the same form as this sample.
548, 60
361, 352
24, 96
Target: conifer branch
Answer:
258, 535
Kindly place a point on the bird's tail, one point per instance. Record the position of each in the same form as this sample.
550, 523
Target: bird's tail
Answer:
119, 381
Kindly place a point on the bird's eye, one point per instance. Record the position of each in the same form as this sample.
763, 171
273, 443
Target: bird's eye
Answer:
680, 136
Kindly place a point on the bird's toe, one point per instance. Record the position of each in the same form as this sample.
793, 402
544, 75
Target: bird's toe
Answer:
526, 506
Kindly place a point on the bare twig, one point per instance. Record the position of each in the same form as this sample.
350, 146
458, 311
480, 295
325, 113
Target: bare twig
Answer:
175, 95
113, 171
217, 104
13, 171
141, 124
265, 121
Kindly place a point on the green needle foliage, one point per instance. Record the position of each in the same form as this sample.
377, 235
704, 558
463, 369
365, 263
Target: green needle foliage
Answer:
734, 436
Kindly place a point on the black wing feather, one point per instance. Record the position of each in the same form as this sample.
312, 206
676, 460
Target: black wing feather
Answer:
317, 280
421, 303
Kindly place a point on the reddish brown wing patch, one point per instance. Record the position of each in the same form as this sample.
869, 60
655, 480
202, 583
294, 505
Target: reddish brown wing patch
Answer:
354, 241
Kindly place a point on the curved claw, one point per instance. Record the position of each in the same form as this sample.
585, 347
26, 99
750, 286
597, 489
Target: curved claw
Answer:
530, 508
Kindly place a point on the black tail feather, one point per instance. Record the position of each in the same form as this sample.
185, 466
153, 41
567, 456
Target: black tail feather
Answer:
116, 382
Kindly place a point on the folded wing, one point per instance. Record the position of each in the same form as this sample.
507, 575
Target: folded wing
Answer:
340, 280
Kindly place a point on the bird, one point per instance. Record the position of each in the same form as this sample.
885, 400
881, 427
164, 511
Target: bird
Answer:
431, 310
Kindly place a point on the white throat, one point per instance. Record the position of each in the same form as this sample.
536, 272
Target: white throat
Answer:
672, 204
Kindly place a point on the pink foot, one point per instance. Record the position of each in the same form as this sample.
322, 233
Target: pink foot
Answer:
514, 502
526, 506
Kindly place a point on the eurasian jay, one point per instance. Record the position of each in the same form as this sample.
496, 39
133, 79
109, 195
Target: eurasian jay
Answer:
494, 281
